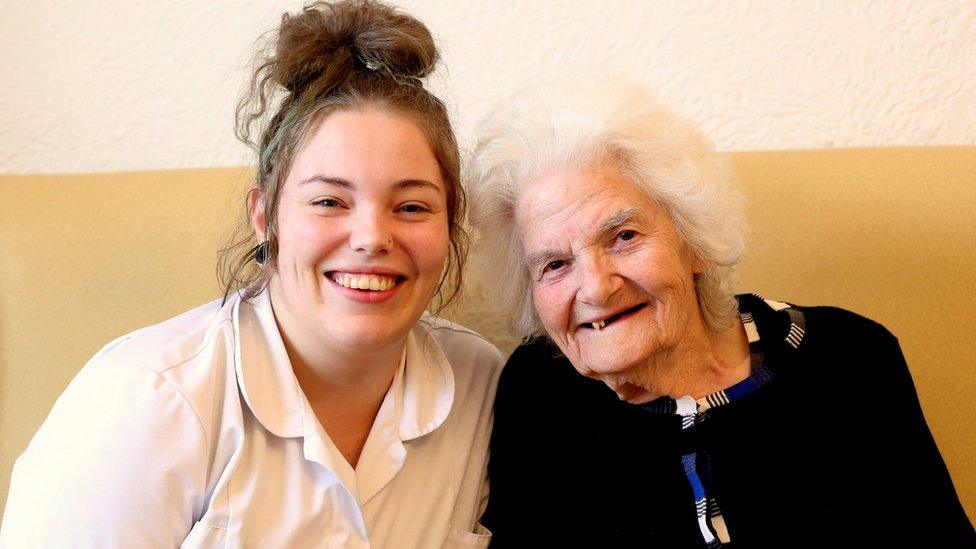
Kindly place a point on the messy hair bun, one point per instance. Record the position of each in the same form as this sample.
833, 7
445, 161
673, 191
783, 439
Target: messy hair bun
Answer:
325, 46
333, 56
326, 43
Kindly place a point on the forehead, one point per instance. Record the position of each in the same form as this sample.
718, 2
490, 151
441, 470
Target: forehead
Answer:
366, 146
576, 204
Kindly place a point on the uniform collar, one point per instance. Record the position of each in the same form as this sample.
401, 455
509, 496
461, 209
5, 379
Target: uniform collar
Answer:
426, 394
423, 394
264, 372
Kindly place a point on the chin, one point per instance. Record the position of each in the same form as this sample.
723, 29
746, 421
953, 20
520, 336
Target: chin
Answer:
624, 387
634, 394
618, 367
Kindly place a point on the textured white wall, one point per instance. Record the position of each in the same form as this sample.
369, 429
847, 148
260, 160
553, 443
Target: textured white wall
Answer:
123, 84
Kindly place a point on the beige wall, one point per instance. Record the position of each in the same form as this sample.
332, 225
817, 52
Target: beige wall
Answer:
117, 85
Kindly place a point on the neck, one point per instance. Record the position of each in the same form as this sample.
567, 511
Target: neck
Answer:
331, 377
344, 387
703, 361
345, 391
327, 368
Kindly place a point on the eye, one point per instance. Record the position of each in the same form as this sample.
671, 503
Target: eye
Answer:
414, 208
626, 234
326, 202
554, 265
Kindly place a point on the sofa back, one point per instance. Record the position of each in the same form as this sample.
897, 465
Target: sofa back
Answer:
888, 233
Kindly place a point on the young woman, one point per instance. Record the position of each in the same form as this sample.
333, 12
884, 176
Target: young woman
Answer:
316, 405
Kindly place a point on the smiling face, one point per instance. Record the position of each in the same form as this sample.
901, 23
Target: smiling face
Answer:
612, 282
362, 229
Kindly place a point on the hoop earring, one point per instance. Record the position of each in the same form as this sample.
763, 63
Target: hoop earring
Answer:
261, 252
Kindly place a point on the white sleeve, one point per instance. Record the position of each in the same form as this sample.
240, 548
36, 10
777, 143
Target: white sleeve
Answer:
121, 461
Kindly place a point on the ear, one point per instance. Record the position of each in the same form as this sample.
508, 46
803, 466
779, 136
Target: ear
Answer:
255, 211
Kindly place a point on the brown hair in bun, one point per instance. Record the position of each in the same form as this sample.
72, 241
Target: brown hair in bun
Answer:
339, 56
327, 43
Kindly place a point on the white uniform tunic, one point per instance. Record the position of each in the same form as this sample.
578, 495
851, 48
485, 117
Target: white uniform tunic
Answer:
195, 433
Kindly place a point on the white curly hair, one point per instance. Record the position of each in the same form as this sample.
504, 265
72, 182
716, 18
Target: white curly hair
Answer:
557, 127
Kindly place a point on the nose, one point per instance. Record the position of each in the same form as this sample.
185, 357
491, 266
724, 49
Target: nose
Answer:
371, 233
598, 279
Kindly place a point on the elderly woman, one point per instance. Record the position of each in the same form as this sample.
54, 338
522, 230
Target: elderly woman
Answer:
316, 405
701, 418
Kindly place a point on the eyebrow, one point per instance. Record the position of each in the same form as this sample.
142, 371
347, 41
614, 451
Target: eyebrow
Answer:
346, 184
622, 217
532, 261
337, 181
416, 183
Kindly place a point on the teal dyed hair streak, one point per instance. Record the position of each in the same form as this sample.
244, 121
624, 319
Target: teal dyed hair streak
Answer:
283, 129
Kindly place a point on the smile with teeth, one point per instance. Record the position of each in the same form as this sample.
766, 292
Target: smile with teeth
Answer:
372, 282
600, 324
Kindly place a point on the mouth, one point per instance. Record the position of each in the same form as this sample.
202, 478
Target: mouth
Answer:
604, 322
363, 282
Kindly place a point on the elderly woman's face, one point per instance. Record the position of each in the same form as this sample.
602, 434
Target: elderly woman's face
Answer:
612, 281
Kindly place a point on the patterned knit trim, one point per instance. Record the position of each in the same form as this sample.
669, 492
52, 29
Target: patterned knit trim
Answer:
794, 335
701, 502
697, 465
759, 376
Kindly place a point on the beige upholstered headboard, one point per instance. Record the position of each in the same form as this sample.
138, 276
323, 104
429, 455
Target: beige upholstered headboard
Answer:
886, 232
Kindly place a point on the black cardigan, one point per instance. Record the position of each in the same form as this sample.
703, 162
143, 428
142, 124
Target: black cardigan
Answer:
834, 450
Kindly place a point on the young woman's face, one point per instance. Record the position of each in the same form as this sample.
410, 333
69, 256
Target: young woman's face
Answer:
362, 232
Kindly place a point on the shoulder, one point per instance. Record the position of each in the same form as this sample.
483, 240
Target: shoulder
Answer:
139, 423
539, 361
164, 361
166, 345
186, 352
821, 326
137, 437
830, 326
837, 345
454, 337
168, 373
468, 352
539, 379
